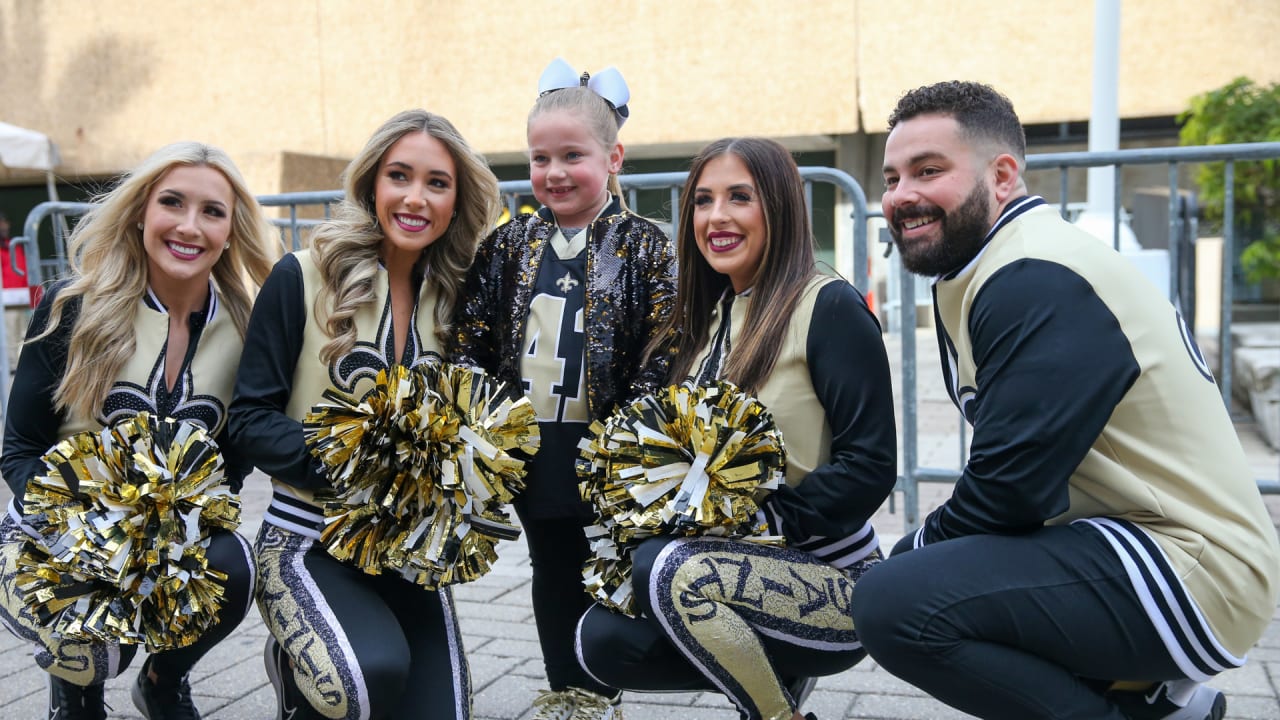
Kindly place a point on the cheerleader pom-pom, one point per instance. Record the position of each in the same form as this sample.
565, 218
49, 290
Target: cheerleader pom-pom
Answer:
375, 462
124, 516
478, 440
421, 467
688, 460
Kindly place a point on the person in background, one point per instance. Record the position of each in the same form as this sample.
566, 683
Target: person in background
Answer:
164, 269
560, 305
757, 622
18, 298
1105, 550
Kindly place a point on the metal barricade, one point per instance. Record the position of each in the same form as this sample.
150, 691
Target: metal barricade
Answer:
853, 246
293, 227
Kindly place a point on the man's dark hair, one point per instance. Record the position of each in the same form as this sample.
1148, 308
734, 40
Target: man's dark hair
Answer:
982, 112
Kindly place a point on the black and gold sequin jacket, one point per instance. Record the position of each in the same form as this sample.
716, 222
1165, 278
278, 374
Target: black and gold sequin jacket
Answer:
631, 276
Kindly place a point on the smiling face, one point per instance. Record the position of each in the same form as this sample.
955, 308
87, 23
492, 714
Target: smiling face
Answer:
186, 225
728, 220
414, 195
569, 166
940, 194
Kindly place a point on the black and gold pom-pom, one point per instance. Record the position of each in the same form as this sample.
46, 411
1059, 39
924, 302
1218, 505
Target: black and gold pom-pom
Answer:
124, 516
421, 466
688, 460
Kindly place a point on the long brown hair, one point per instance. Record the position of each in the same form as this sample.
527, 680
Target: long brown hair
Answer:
785, 268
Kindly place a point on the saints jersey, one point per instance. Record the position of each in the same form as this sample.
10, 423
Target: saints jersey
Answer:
628, 285
552, 367
554, 375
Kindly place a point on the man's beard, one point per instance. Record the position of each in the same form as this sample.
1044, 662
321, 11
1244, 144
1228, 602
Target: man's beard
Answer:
963, 233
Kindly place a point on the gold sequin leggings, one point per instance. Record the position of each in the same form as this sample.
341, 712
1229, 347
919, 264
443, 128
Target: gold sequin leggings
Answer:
732, 616
362, 646
92, 663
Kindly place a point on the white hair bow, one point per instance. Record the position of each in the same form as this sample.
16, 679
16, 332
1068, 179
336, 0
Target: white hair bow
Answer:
607, 83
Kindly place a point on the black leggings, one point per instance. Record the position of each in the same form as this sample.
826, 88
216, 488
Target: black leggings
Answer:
734, 617
558, 549
362, 646
92, 663
1012, 627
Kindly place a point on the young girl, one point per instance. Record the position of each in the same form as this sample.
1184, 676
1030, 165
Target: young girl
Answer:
757, 622
561, 304
164, 270
376, 289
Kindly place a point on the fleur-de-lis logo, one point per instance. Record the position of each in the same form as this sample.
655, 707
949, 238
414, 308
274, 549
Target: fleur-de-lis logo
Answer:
182, 403
566, 283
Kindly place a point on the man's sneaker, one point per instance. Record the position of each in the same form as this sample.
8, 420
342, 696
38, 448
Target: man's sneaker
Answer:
799, 689
1172, 700
68, 701
164, 699
575, 704
290, 704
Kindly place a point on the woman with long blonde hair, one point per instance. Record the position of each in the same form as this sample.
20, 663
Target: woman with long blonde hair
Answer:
164, 269
376, 289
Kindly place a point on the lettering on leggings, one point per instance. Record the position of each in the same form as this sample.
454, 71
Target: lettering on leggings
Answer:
289, 621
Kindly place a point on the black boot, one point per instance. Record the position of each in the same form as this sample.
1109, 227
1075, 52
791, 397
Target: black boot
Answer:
68, 701
164, 699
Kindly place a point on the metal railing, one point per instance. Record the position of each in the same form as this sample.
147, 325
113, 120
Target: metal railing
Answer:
293, 227
852, 245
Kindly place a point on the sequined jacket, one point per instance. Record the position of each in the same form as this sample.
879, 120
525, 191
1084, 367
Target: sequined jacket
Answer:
631, 276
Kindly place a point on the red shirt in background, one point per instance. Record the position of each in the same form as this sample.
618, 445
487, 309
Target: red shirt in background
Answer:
16, 291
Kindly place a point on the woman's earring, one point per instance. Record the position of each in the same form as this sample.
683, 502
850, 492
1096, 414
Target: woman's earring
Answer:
227, 246
139, 226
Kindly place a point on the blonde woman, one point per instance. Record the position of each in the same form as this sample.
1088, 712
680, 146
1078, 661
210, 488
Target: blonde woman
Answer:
376, 289
164, 271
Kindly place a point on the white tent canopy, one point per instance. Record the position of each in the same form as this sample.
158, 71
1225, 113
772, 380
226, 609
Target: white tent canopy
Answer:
27, 149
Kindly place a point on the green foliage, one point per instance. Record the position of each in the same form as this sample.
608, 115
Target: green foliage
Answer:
1261, 260
1241, 112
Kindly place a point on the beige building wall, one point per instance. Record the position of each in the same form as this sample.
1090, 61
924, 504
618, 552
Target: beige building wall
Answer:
292, 88
1041, 54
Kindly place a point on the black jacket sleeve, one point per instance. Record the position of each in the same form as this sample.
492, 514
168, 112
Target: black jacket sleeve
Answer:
30, 421
660, 279
475, 334
850, 374
1052, 364
260, 426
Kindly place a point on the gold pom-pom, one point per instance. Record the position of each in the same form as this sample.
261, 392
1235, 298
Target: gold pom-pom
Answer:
124, 516
421, 467
688, 460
